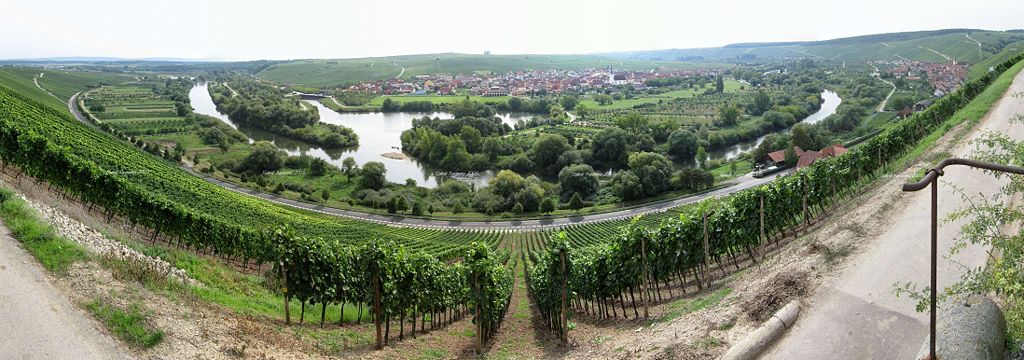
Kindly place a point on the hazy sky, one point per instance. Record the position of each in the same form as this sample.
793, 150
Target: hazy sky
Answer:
244, 30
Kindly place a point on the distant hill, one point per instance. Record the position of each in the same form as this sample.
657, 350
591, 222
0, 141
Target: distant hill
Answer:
100, 59
334, 72
929, 46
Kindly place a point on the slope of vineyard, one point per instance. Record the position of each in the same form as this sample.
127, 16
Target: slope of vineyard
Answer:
712, 231
164, 179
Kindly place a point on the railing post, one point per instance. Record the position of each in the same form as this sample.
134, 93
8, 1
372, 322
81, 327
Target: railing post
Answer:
932, 178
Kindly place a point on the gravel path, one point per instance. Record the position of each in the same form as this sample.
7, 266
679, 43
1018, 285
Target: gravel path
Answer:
37, 321
857, 315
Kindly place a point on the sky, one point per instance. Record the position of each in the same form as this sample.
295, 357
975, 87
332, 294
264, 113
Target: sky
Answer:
264, 29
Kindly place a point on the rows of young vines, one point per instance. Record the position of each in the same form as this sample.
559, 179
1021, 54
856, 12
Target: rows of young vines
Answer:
704, 233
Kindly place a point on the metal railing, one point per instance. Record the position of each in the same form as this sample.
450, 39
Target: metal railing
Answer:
932, 178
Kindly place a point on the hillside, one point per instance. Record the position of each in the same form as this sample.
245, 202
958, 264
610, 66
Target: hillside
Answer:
333, 72
961, 44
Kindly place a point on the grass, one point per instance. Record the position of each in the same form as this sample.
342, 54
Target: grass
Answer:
242, 293
433, 353
130, 324
685, 306
55, 252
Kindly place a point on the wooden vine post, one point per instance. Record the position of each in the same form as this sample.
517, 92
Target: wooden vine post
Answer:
643, 280
479, 314
764, 239
803, 185
707, 252
287, 314
565, 298
377, 310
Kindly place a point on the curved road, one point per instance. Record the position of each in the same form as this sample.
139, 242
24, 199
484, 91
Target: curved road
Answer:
744, 182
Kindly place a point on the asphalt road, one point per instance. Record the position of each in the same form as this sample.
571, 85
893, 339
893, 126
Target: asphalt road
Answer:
743, 182
37, 321
857, 316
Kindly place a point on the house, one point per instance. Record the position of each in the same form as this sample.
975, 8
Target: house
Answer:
807, 158
779, 157
921, 105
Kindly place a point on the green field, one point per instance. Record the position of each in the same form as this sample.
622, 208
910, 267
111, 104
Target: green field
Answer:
731, 86
335, 72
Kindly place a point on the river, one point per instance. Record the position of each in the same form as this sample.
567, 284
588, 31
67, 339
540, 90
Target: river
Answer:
379, 133
829, 105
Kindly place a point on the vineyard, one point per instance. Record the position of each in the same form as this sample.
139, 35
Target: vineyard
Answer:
590, 276
411, 276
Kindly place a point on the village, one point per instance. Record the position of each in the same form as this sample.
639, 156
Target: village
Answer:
523, 82
944, 77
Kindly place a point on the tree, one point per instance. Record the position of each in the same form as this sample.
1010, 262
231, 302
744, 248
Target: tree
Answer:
732, 168
389, 105
410, 182
582, 110
609, 146
458, 208
546, 150
576, 203
492, 147
401, 205
578, 179
279, 189
264, 158
762, 102
719, 84
632, 122
728, 115
626, 185
568, 102
548, 205
694, 179
417, 208
653, 171
471, 137
682, 144
349, 167
372, 176
517, 209
791, 157
456, 157
317, 167
324, 194
802, 137
702, 157
430, 209
506, 183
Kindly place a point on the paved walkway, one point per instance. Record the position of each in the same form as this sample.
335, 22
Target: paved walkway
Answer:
857, 316
37, 321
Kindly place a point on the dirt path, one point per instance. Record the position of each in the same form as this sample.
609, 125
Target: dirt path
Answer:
37, 321
856, 315
944, 56
36, 80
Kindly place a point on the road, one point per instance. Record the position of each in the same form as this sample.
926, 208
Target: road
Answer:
857, 315
881, 107
36, 320
743, 182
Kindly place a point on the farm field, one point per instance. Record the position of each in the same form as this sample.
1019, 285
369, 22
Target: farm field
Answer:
731, 86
